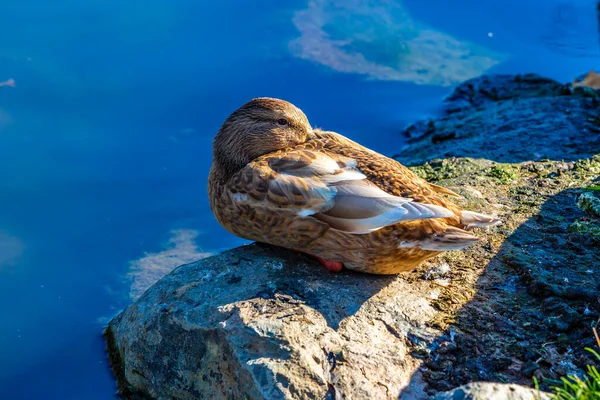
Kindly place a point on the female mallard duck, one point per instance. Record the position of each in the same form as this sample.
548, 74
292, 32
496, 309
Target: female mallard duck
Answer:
276, 180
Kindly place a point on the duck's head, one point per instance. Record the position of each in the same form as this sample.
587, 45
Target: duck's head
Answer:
260, 126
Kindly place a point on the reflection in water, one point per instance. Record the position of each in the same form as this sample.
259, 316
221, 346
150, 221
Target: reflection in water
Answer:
598, 17
10, 248
181, 249
567, 22
8, 82
5, 119
384, 42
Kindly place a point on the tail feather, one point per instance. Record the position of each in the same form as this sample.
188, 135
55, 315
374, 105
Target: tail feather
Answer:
441, 189
451, 239
472, 219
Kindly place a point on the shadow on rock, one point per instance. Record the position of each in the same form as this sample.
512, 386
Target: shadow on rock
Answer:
531, 308
521, 305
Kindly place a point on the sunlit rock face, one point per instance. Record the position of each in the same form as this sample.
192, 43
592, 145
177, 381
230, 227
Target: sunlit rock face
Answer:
259, 322
382, 41
491, 390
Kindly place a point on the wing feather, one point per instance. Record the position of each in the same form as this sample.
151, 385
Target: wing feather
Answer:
313, 181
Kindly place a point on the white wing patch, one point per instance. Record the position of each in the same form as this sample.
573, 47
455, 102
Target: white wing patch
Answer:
356, 205
330, 188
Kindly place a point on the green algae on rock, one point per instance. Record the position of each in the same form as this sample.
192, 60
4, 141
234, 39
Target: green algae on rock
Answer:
505, 173
588, 228
589, 204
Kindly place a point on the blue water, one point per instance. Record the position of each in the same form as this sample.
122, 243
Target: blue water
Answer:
105, 140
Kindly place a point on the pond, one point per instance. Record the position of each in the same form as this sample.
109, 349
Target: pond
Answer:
105, 138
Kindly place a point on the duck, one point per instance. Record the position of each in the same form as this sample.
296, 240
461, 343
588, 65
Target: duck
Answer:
276, 180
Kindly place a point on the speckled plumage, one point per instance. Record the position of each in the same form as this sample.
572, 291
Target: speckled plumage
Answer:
276, 180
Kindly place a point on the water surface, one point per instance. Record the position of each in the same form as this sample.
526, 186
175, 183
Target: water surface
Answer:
105, 141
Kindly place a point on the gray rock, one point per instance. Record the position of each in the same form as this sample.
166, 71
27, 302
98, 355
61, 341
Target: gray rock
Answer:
528, 368
260, 322
493, 391
508, 118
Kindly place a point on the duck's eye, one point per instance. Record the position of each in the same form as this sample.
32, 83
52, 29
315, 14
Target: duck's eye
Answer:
282, 121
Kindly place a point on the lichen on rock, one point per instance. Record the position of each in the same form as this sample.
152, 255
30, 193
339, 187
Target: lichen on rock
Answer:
586, 228
589, 204
505, 173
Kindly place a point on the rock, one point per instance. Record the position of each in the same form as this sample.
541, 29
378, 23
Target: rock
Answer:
529, 368
589, 204
563, 317
537, 286
267, 323
493, 391
260, 322
509, 118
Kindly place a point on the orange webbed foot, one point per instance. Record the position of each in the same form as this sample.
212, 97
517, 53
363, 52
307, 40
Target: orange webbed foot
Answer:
332, 266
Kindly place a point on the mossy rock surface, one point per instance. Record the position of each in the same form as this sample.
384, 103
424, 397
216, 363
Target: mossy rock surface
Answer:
531, 149
532, 289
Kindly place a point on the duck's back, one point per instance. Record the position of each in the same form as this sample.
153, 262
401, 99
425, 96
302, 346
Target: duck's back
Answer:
388, 174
